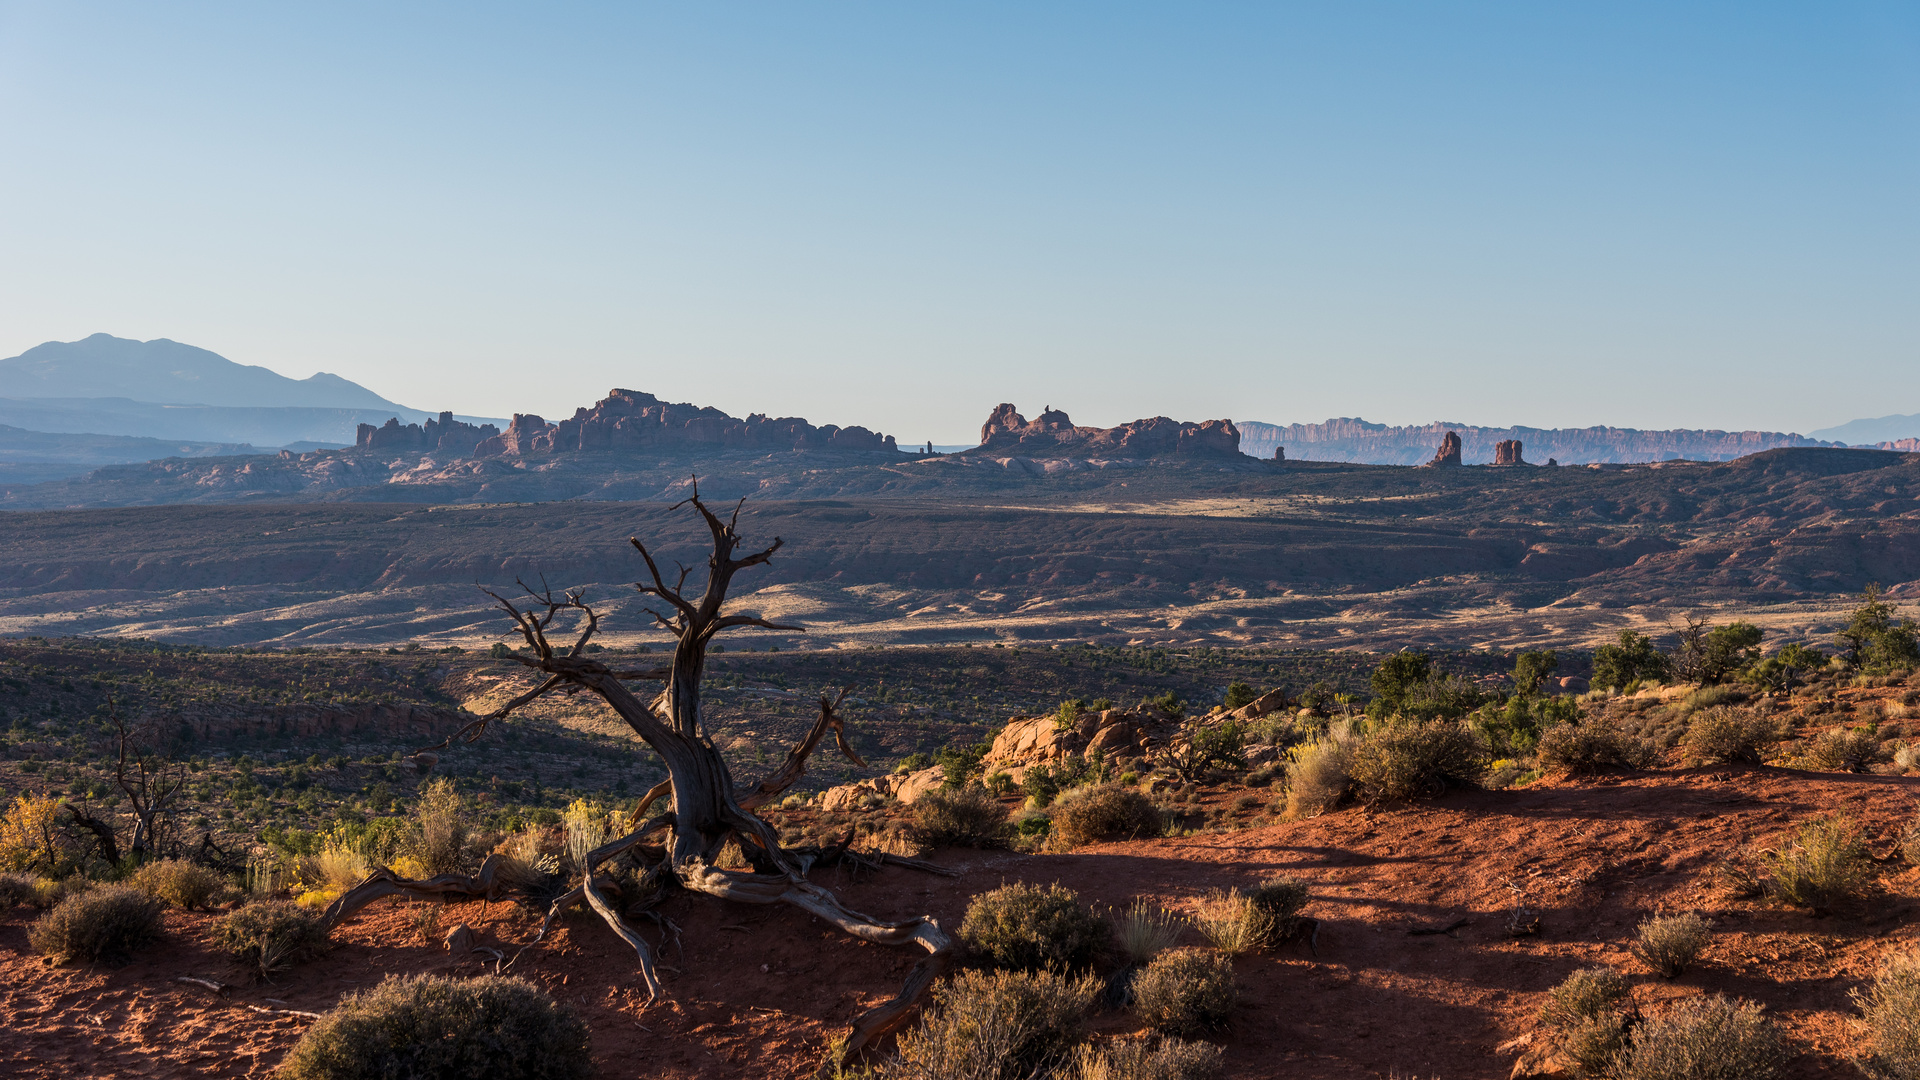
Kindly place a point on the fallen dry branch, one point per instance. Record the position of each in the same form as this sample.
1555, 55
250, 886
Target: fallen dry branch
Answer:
214, 985
485, 885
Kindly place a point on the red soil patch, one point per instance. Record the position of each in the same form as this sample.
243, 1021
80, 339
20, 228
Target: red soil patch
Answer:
760, 991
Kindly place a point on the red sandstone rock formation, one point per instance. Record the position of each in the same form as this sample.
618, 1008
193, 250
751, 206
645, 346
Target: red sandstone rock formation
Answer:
445, 433
1053, 434
1507, 453
629, 419
1910, 446
1449, 452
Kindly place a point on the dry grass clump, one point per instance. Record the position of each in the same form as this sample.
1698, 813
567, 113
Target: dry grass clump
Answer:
106, 923
1145, 930
1843, 750
1105, 812
994, 1025
179, 883
1668, 944
1185, 992
1891, 1004
968, 817
268, 935
443, 830
1724, 734
1237, 921
336, 867
502, 1028
1823, 862
1031, 927
1707, 1038
1414, 760
1319, 775
1137, 1059
1591, 747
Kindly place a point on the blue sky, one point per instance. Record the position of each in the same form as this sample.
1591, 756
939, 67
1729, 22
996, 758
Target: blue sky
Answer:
899, 215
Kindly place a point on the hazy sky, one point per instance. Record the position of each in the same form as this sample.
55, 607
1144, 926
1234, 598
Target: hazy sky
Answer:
901, 214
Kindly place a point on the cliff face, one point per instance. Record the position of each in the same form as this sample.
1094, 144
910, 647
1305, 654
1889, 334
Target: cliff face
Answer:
1053, 434
629, 419
445, 434
1350, 439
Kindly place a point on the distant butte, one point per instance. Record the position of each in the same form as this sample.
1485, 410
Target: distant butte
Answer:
631, 420
1053, 434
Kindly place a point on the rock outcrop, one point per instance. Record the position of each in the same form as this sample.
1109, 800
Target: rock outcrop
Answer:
1449, 452
631, 420
1354, 440
445, 434
1053, 434
1507, 453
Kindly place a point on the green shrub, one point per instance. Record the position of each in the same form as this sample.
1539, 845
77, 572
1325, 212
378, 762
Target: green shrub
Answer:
1843, 750
1418, 759
106, 923
913, 763
1003, 1025
1723, 734
1823, 863
1029, 927
1185, 992
1633, 659
179, 883
1239, 695
1668, 944
1708, 697
1105, 812
432, 1028
1319, 776
1138, 1059
1590, 747
1891, 1008
270, 934
967, 817
1281, 897
1709, 1038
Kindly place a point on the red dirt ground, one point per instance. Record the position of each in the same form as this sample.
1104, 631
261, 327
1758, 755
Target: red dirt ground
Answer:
760, 991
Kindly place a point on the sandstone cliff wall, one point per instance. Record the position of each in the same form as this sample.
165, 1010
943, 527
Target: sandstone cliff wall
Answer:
631, 420
1053, 434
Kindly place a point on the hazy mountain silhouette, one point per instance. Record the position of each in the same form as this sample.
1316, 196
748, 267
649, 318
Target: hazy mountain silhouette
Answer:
169, 373
1873, 432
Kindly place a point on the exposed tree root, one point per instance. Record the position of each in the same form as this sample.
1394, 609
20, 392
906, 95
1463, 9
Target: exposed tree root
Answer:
485, 885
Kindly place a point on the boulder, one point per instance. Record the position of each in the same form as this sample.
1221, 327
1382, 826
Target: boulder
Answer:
1271, 701
906, 787
1449, 451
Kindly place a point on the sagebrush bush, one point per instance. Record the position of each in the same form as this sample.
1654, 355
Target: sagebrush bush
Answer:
432, 1028
1585, 994
1105, 812
1281, 897
1705, 1038
179, 883
1144, 931
1843, 750
1319, 776
1722, 734
268, 935
1590, 747
1029, 927
1001, 1025
16, 889
106, 923
960, 817
1137, 1059
442, 847
1891, 1008
1823, 862
1415, 760
1668, 944
1185, 992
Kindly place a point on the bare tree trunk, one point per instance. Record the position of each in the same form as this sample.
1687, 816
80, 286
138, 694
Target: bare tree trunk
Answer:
708, 808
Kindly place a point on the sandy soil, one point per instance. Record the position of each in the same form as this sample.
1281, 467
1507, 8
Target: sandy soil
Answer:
758, 992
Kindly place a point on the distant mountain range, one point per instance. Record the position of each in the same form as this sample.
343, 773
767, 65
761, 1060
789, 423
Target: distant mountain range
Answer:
1873, 432
1350, 439
161, 389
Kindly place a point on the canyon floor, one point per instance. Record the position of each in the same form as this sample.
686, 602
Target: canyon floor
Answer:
759, 992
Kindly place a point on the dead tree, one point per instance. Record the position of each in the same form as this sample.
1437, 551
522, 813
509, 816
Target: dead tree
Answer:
708, 808
151, 780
